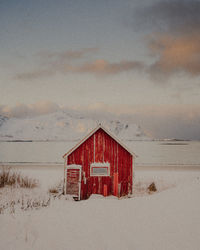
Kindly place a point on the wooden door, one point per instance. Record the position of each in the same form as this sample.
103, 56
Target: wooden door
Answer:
73, 182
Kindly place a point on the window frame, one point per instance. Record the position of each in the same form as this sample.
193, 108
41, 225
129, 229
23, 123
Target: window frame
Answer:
105, 165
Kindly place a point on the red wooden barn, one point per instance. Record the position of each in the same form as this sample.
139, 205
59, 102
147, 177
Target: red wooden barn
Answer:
99, 164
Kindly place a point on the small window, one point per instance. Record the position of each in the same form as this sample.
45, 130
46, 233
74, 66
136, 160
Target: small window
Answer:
100, 169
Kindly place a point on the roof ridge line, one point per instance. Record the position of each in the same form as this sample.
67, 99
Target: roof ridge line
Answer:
91, 133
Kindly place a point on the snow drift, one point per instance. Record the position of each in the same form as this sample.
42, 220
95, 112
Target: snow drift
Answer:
169, 220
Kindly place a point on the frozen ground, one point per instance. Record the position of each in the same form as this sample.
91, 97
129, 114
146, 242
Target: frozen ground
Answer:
168, 219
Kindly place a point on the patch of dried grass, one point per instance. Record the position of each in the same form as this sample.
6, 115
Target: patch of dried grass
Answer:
53, 190
10, 178
57, 189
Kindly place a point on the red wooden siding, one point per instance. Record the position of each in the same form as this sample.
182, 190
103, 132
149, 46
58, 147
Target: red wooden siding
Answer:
101, 147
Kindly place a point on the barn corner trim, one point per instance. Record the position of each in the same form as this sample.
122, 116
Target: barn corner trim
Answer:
91, 133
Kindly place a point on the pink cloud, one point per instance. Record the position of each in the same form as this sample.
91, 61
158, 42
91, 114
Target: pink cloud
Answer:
175, 54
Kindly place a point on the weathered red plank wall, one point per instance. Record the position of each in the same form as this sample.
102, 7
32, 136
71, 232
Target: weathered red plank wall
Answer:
100, 147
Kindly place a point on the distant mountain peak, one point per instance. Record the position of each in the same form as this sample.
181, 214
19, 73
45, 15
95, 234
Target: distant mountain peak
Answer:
63, 125
2, 119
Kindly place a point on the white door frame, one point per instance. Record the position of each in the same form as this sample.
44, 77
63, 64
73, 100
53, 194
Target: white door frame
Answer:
74, 166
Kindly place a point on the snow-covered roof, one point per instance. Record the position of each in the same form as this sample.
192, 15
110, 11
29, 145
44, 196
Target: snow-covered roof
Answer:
91, 133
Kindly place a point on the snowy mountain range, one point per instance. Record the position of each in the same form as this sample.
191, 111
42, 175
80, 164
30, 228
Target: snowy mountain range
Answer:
63, 125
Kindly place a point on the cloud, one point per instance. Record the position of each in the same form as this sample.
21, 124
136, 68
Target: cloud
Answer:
177, 16
35, 74
21, 110
96, 67
65, 56
173, 39
49, 63
103, 67
175, 54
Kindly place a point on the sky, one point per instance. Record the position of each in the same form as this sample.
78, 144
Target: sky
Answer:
134, 59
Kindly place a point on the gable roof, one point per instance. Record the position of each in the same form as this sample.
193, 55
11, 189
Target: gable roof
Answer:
91, 133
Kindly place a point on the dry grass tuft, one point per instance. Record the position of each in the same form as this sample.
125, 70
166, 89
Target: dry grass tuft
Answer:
53, 190
152, 187
10, 178
57, 189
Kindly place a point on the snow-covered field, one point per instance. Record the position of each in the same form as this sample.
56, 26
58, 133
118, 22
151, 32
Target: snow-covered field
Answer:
167, 219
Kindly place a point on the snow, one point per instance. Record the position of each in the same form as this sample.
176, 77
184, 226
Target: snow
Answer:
74, 166
100, 164
168, 219
63, 126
